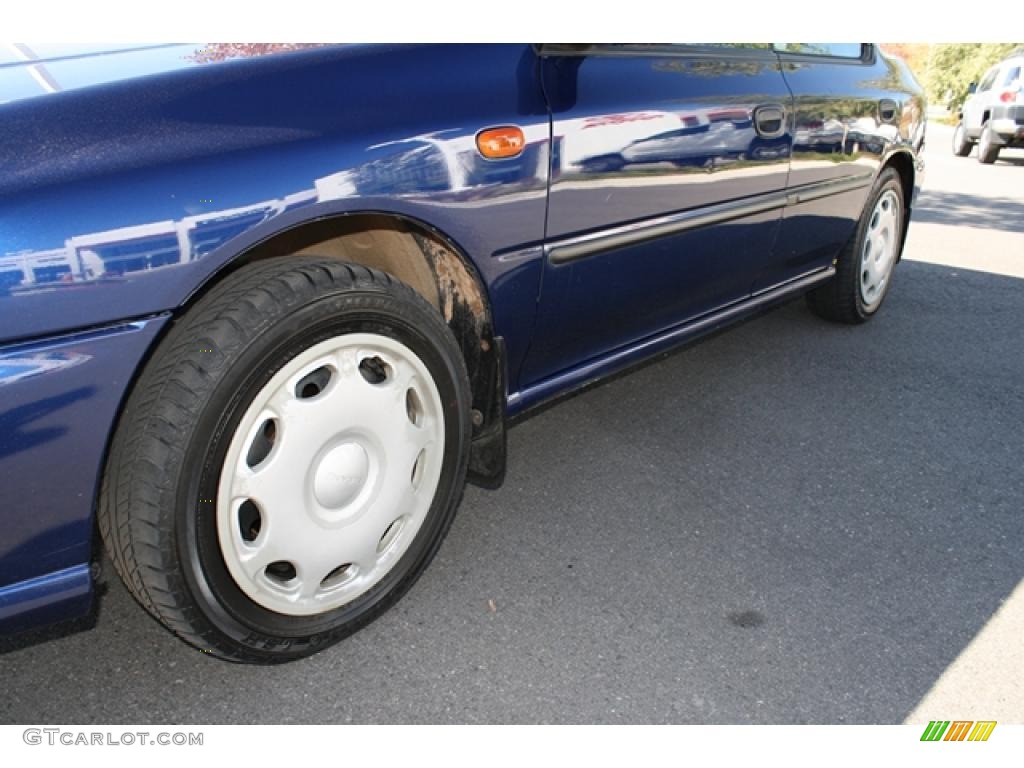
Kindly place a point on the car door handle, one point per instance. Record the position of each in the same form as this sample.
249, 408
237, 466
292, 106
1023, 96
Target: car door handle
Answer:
887, 110
770, 120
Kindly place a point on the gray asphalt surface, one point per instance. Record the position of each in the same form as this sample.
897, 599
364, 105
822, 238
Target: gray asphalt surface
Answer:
790, 522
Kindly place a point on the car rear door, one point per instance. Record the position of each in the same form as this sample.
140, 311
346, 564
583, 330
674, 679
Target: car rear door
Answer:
669, 169
849, 104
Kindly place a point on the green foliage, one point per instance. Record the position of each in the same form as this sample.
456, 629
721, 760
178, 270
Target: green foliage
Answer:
915, 54
954, 66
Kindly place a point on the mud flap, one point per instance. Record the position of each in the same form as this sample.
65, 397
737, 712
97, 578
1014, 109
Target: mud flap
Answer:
488, 451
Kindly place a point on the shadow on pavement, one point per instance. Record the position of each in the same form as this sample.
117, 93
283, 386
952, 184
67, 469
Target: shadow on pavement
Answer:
959, 209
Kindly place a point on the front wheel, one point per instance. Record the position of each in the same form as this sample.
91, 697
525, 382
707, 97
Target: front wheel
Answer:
961, 143
864, 268
988, 150
290, 460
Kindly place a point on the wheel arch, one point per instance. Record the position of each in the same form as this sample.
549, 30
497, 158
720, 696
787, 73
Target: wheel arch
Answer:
417, 253
437, 268
903, 163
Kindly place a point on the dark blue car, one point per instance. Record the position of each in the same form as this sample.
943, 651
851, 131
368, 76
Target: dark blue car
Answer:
264, 310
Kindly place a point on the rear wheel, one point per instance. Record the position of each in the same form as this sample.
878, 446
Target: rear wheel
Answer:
961, 143
290, 460
988, 150
864, 268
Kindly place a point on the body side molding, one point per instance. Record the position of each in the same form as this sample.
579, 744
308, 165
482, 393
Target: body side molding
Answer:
581, 246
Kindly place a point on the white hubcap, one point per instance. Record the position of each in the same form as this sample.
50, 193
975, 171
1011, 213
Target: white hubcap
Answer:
342, 473
880, 244
330, 474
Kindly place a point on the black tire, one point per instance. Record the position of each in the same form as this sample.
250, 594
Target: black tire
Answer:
167, 452
840, 299
962, 144
988, 150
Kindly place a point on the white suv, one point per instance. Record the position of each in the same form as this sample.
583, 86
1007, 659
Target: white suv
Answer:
993, 115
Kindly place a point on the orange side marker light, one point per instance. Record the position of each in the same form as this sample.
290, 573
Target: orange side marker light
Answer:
498, 143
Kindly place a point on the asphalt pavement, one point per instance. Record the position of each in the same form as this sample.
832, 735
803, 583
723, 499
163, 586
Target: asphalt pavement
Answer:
791, 522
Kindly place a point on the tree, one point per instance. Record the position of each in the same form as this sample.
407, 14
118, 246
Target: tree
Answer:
952, 67
915, 54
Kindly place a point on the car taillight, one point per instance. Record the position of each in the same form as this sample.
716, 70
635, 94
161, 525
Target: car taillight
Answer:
1007, 96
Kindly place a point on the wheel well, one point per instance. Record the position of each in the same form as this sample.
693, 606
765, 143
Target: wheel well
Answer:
904, 165
436, 269
405, 249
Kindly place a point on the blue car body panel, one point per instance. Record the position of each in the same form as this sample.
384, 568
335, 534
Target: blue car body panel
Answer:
59, 401
46, 599
135, 177
106, 218
838, 134
636, 137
